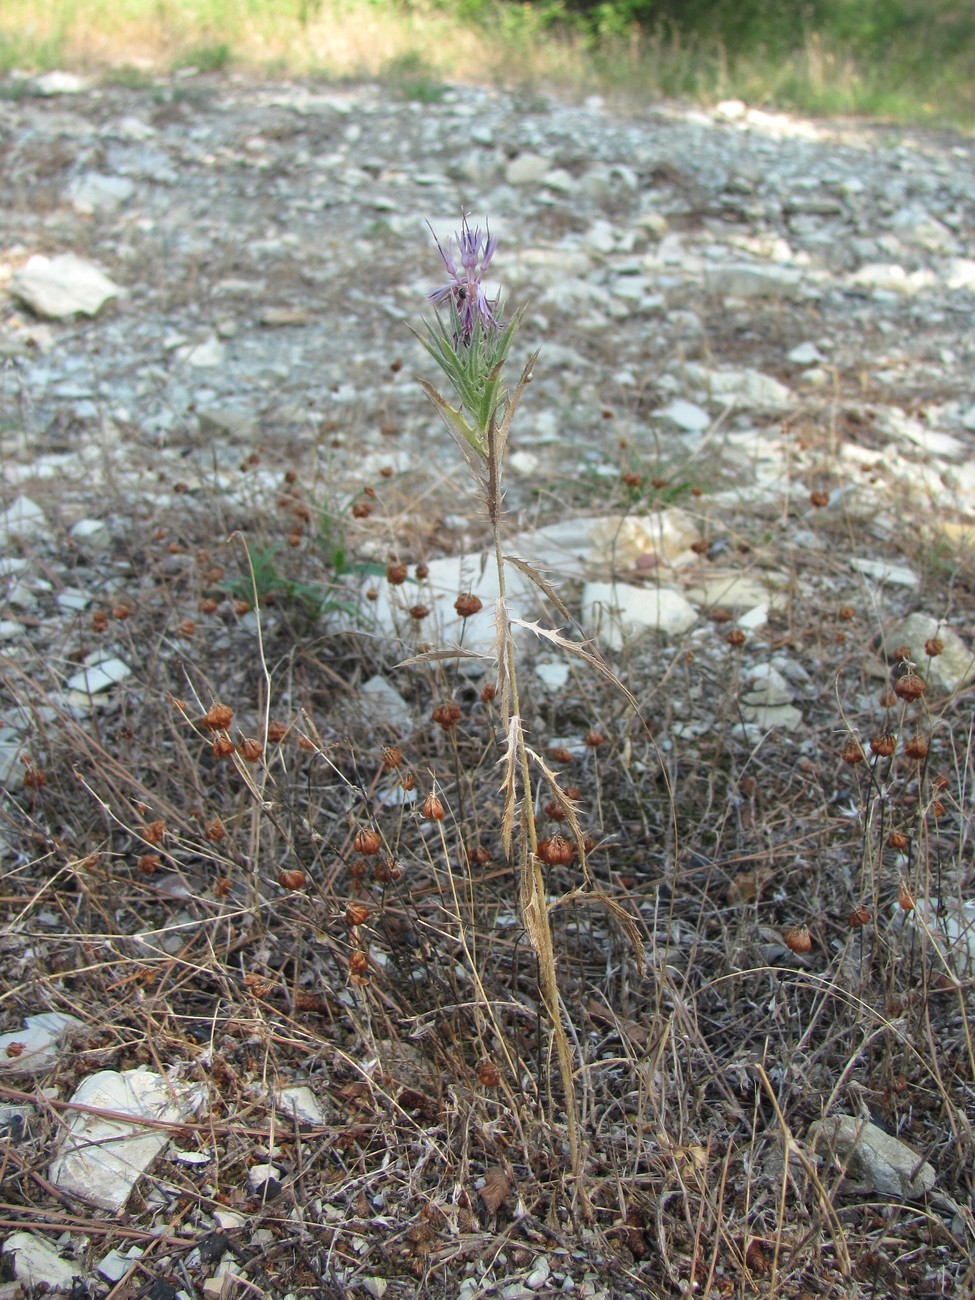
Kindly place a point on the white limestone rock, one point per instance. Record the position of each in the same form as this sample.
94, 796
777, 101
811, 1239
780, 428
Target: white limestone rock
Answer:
953, 668
23, 519
61, 286
753, 280
101, 1159
617, 613
37, 1266
34, 1048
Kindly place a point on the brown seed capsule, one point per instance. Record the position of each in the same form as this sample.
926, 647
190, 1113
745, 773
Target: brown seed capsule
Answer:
372, 594
488, 1075
241, 607
735, 637
798, 939
940, 783
819, 498
356, 914
148, 864
432, 809
361, 509
222, 747
419, 612
291, 878
392, 758
701, 546
488, 692
478, 856
207, 605
858, 918
467, 605
901, 654
121, 611
884, 745
937, 808
367, 842
594, 739
186, 629
358, 964
407, 781
422, 572
897, 840
556, 852
99, 621
555, 811
905, 899
446, 714
358, 868
845, 613
560, 754
852, 752
910, 687
916, 747
154, 832
386, 871
276, 732
250, 749
295, 538
214, 830
222, 887
720, 615
307, 744
218, 717
933, 647
396, 574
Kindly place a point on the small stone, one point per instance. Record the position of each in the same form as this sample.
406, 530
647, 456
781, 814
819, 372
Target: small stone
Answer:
539, 1274
806, 354
753, 280
99, 676
59, 83
264, 1177
23, 519
302, 1104
874, 1157
375, 1286
35, 1047
92, 533
62, 286
93, 192
686, 415
37, 1265
227, 422
950, 670
383, 703
527, 169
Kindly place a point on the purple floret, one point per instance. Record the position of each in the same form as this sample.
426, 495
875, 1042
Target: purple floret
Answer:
465, 290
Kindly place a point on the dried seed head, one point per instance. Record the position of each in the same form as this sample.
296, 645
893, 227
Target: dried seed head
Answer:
432, 809
222, 887
361, 509
295, 537
154, 832
467, 605
852, 752
937, 808
367, 842
488, 692
556, 852
206, 605
845, 613
250, 749
186, 629
214, 830
99, 621
916, 747
555, 811
736, 637
422, 572
276, 732
884, 745
392, 758
478, 856
488, 1074
910, 687
887, 700
307, 744
905, 899
218, 717
901, 654
940, 783
407, 781
291, 878
446, 714
701, 546
933, 647
34, 779
419, 612
798, 939
395, 574
897, 840
149, 864
356, 914
222, 747
357, 869
560, 754
819, 498
594, 738
386, 871
372, 594
858, 918
358, 967
720, 615
241, 607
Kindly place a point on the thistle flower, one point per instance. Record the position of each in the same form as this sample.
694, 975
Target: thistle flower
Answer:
464, 292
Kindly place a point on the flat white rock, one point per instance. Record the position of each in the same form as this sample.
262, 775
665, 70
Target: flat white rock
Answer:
99, 676
101, 1159
94, 192
751, 280
62, 286
23, 518
38, 1265
744, 387
301, 1103
618, 613
953, 667
686, 415
35, 1047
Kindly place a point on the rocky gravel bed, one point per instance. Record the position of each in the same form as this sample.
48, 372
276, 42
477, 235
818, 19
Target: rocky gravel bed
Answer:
753, 412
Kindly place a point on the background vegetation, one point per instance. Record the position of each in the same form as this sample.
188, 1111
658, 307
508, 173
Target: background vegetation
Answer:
909, 59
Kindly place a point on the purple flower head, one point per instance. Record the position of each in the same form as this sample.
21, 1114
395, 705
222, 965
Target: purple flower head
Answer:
465, 292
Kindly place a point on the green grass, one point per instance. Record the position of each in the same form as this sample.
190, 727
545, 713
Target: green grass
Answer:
909, 71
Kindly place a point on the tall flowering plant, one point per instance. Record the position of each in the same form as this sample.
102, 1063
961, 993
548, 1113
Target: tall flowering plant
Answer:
470, 340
